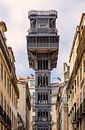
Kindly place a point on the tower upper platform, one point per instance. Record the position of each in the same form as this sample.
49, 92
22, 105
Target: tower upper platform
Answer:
42, 36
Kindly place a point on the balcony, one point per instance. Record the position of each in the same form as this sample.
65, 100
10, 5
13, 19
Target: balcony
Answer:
42, 30
4, 118
42, 45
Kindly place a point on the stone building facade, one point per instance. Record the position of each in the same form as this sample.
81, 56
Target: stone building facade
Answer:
76, 84
24, 105
8, 84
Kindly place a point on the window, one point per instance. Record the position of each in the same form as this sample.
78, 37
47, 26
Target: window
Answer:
45, 80
84, 92
80, 72
12, 95
8, 110
81, 97
39, 80
42, 98
1, 71
39, 64
84, 65
42, 64
10, 113
46, 64
1, 99
10, 89
4, 105
5, 78
77, 81
15, 102
12, 120
75, 111
7, 85
75, 85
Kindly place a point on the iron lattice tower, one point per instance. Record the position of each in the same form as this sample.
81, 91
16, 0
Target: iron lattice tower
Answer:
42, 48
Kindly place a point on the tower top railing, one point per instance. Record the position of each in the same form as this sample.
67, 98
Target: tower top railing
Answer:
48, 13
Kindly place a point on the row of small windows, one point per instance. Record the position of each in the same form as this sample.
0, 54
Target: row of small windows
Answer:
42, 40
42, 98
42, 81
42, 64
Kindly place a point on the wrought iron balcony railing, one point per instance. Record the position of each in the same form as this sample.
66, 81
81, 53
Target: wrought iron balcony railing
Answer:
42, 45
42, 30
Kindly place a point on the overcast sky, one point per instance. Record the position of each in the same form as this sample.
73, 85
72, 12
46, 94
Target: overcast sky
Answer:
15, 14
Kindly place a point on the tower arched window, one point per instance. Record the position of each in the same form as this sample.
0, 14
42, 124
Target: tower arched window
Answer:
40, 80
46, 80
43, 80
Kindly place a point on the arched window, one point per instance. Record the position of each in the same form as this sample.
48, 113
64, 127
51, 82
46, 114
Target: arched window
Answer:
40, 64
46, 97
43, 80
38, 97
46, 80
40, 80
46, 64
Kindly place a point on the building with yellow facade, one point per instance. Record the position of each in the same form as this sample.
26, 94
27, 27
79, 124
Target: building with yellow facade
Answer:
24, 105
61, 102
8, 84
76, 84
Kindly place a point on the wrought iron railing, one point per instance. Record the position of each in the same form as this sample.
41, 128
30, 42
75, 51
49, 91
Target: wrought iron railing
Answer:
42, 45
42, 30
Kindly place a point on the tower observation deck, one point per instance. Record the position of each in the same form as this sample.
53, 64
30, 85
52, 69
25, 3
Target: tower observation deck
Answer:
42, 48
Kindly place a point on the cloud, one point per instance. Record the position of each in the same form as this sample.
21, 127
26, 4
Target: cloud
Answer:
15, 14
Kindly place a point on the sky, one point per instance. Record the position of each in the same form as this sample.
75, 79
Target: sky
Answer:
15, 14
